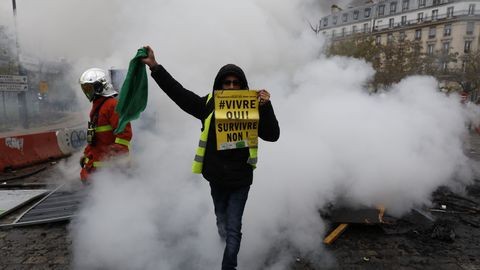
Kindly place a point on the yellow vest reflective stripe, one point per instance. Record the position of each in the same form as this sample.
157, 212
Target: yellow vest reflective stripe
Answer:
122, 142
103, 128
252, 159
197, 164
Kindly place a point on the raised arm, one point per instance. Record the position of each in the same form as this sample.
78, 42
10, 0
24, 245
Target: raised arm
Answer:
188, 101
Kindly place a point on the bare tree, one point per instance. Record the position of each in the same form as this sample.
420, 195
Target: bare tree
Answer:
398, 59
467, 75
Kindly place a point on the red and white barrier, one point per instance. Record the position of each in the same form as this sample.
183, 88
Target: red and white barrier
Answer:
24, 150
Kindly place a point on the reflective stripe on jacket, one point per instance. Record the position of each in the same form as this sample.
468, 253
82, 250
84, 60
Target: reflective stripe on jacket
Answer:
107, 145
197, 164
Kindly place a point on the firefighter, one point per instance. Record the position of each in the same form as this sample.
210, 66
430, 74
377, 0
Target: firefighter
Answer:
104, 148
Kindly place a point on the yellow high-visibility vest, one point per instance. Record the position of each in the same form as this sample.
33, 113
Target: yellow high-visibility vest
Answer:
202, 144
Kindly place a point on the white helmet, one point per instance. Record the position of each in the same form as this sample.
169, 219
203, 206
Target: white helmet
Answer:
94, 83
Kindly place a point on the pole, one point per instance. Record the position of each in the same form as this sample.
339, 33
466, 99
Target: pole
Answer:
14, 5
4, 109
22, 96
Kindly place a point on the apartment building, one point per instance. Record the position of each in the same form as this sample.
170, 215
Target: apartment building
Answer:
438, 25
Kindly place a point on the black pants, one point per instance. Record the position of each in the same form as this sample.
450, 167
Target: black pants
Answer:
229, 205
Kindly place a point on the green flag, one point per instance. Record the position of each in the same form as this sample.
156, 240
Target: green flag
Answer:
134, 93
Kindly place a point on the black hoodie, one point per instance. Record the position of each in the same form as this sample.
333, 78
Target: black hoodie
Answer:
230, 69
228, 168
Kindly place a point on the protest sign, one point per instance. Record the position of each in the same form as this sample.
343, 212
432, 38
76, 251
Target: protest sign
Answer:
236, 119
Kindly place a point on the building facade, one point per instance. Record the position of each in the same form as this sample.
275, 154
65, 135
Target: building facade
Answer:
438, 25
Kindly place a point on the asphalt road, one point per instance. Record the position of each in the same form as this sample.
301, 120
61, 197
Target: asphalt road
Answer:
44, 246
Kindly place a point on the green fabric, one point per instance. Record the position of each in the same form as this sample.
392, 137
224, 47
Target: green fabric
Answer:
134, 93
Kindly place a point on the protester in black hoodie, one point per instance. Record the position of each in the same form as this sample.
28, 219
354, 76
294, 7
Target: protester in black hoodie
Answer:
228, 172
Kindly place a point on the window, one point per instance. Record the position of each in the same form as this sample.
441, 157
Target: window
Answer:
391, 23
325, 21
405, 5
432, 32
334, 19
444, 66
420, 17
333, 33
404, 20
434, 14
449, 12
447, 30
345, 17
389, 38
446, 47
365, 27
470, 26
393, 7
416, 50
367, 12
437, 2
468, 46
343, 31
354, 29
402, 36
421, 3
378, 39
381, 10
355, 15
418, 34
471, 9
430, 49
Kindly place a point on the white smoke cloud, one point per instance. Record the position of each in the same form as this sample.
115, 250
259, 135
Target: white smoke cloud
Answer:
337, 142
6, 14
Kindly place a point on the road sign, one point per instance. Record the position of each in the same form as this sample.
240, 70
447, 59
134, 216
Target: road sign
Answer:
43, 87
15, 79
13, 83
10, 87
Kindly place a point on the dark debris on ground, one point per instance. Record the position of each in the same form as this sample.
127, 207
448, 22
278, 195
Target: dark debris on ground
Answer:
446, 236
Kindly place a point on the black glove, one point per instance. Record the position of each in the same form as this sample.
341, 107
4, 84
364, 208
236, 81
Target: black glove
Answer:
82, 161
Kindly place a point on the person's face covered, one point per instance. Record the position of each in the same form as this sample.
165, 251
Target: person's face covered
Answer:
231, 82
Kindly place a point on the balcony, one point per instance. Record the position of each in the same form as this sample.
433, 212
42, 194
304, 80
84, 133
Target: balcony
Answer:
440, 18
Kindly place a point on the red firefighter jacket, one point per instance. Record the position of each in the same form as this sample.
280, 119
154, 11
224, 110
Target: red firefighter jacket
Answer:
107, 145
